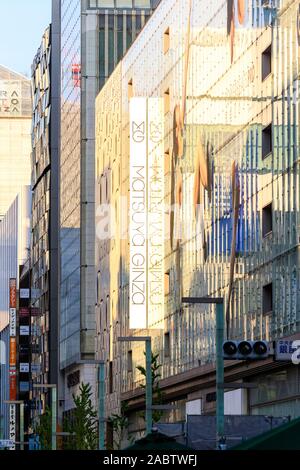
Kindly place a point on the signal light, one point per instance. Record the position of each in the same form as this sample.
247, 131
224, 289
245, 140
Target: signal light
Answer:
244, 350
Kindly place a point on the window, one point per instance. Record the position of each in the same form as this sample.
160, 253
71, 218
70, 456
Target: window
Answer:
167, 100
111, 387
167, 348
166, 40
130, 89
167, 162
266, 63
129, 361
267, 298
267, 220
167, 283
266, 141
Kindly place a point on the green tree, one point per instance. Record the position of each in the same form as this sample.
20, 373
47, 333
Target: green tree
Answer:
44, 429
157, 394
83, 422
120, 425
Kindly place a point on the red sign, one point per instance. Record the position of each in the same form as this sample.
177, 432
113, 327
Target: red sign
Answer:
12, 352
12, 384
12, 293
24, 312
34, 311
76, 75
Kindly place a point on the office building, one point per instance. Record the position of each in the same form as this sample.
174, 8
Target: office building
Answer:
228, 151
14, 252
94, 36
45, 211
15, 122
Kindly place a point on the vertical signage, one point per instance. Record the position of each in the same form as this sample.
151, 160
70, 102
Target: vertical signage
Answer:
156, 212
138, 213
146, 230
12, 356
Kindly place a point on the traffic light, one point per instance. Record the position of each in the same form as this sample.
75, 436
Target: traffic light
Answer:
242, 350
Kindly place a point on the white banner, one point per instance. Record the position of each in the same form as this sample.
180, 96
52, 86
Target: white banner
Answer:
156, 215
138, 213
147, 217
13, 322
12, 424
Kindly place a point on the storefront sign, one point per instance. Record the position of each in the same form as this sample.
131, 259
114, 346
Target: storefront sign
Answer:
24, 367
13, 322
24, 330
12, 383
24, 293
24, 312
12, 352
287, 350
10, 98
146, 212
12, 423
12, 293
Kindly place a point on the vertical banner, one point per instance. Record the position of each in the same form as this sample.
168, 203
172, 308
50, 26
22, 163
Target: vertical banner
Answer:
138, 213
146, 231
156, 213
12, 357
12, 424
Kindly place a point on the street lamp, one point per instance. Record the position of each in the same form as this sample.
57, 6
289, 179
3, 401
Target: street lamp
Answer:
219, 301
149, 408
21, 404
53, 410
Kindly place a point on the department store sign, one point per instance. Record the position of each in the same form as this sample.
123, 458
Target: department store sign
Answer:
10, 98
146, 230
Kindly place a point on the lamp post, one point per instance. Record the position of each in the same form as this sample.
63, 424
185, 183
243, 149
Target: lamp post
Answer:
219, 301
149, 408
53, 410
21, 405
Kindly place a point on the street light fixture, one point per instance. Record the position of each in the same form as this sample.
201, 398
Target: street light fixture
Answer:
21, 405
149, 407
219, 301
53, 388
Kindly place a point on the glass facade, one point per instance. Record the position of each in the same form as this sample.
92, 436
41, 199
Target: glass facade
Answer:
91, 45
41, 183
231, 133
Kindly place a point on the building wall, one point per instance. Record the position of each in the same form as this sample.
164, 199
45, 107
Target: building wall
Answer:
228, 108
14, 250
93, 39
15, 122
45, 208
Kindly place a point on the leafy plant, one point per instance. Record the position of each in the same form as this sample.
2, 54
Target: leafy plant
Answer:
120, 425
44, 429
82, 425
157, 394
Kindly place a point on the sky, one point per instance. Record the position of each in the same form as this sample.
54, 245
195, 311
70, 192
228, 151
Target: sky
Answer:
22, 24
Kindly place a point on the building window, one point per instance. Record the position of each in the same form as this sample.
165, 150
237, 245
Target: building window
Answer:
266, 63
266, 141
267, 220
167, 283
130, 89
129, 361
267, 298
167, 162
167, 348
166, 40
167, 100
111, 385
